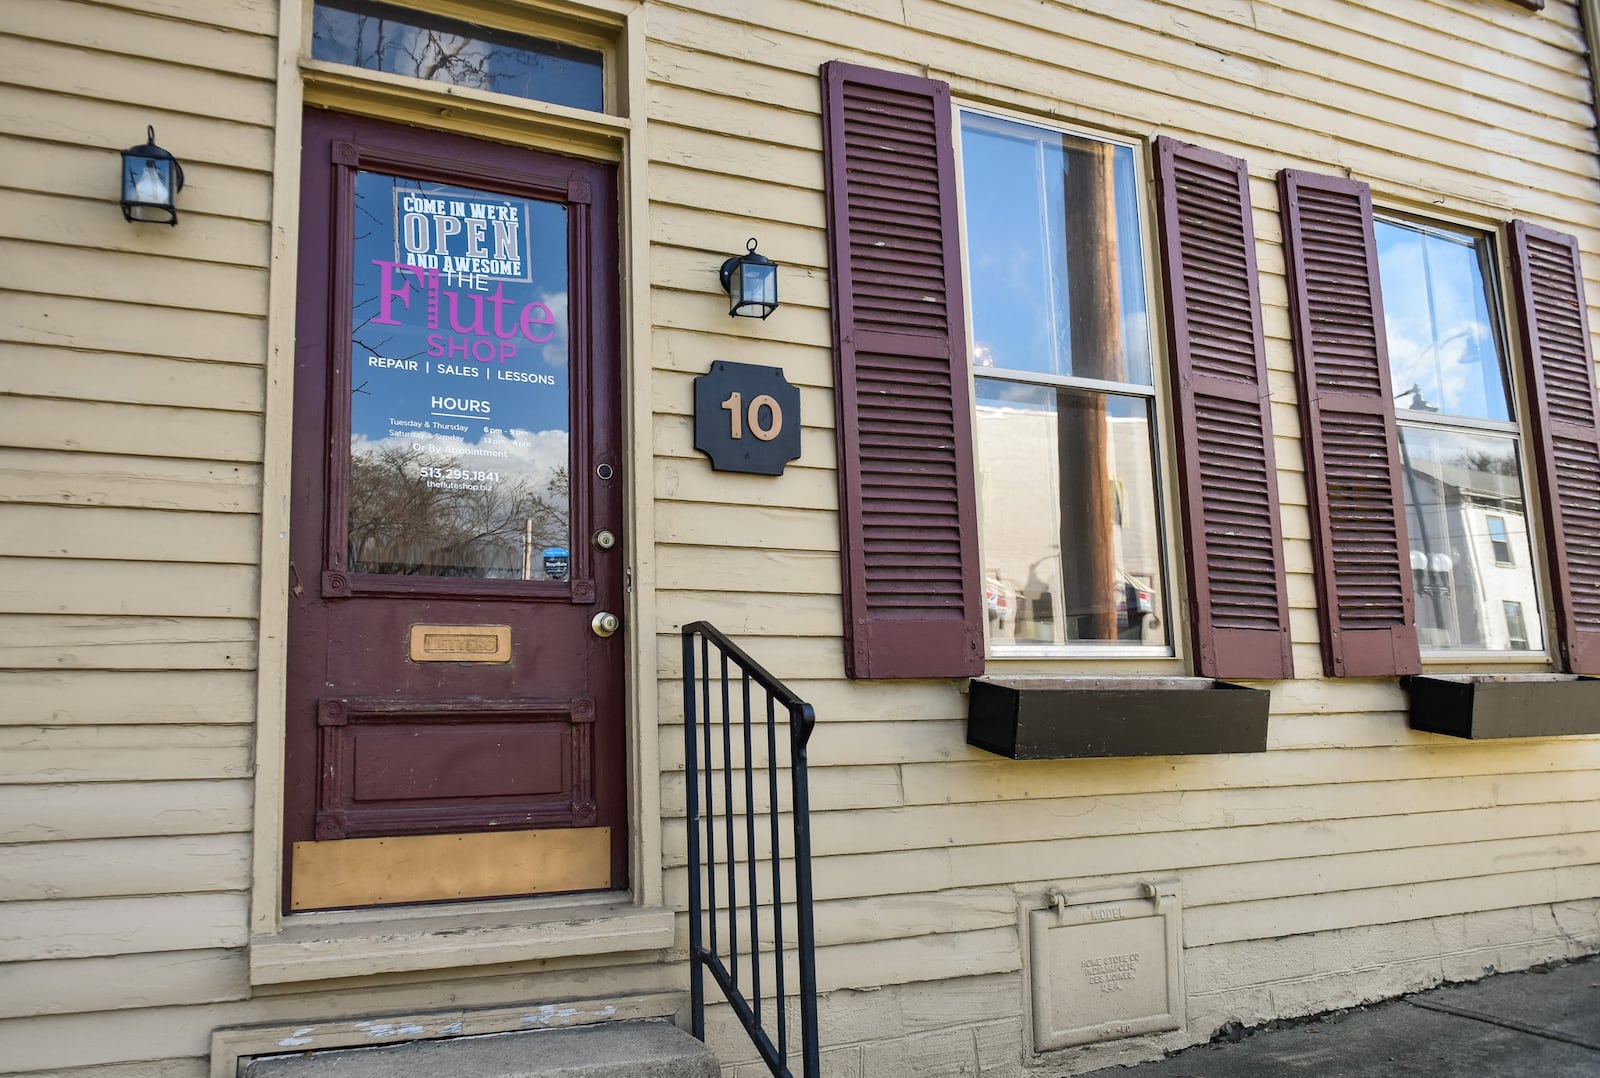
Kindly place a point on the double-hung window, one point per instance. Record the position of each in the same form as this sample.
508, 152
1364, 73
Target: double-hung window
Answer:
1461, 451
1058, 389
1064, 392
1421, 474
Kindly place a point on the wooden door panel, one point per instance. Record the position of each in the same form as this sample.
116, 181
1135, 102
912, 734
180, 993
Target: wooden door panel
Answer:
491, 761
422, 766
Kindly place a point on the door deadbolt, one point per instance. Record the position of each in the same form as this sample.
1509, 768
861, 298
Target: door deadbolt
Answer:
605, 539
605, 623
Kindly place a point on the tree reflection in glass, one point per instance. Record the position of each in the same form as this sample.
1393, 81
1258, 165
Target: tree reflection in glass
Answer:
401, 523
400, 41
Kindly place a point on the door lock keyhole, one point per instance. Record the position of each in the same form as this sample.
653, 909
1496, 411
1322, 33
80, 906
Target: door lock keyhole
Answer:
605, 539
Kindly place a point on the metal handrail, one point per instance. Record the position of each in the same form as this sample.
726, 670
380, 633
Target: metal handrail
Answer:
707, 954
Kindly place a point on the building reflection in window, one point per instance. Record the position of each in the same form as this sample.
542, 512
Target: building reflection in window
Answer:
1462, 478
1066, 401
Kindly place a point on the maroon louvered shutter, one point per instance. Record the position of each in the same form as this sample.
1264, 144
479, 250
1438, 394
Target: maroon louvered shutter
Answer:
908, 511
1358, 524
1227, 475
1553, 317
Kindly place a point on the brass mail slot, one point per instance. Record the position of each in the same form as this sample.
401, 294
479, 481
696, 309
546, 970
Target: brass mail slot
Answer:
461, 643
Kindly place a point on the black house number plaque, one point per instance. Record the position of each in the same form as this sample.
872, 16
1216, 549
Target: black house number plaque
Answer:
746, 418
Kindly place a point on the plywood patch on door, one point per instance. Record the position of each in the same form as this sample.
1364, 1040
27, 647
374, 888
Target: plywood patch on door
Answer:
434, 868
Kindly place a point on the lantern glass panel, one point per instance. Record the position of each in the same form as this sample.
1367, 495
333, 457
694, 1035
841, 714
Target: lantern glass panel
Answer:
758, 284
147, 188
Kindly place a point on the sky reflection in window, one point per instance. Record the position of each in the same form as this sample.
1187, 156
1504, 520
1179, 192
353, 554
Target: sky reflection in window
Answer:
1444, 351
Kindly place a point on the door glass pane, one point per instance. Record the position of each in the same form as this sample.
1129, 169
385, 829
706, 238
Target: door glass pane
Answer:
423, 46
1470, 555
459, 388
1067, 489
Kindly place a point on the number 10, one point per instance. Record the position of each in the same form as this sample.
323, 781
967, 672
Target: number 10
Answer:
752, 416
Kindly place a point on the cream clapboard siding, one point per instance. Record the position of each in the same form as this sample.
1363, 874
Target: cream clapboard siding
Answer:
130, 484
1353, 829
130, 492
129, 501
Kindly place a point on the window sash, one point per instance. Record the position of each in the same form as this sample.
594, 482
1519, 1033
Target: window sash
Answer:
1456, 564
1054, 581
1152, 630
1438, 612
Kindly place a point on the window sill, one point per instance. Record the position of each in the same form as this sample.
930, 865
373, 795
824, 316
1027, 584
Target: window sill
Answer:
1481, 706
1088, 653
1060, 718
323, 946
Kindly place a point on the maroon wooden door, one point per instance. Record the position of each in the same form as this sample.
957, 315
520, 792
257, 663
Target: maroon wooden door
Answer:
455, 711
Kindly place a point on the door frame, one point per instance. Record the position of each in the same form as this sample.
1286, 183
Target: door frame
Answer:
632, 920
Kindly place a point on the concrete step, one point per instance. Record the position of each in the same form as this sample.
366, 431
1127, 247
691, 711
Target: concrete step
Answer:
648, 1049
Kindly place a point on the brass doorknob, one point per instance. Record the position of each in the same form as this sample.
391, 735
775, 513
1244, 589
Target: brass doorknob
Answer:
605, 623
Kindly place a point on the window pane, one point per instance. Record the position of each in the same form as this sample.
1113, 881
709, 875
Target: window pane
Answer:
1516, 628
1054, 251
1469, 540
1444, 345
423, 46
1067, 490
1500, 540
458, 383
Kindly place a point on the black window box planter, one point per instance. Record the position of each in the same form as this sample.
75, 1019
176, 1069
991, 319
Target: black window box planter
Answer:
1045, 718
1504, 705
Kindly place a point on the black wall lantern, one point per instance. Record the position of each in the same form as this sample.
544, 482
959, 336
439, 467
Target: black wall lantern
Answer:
751, 281
151, 180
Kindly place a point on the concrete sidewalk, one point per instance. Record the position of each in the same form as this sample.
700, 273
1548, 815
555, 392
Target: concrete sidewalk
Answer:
1544, 1022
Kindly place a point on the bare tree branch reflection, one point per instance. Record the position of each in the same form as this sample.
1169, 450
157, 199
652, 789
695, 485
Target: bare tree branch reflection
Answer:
405, 519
